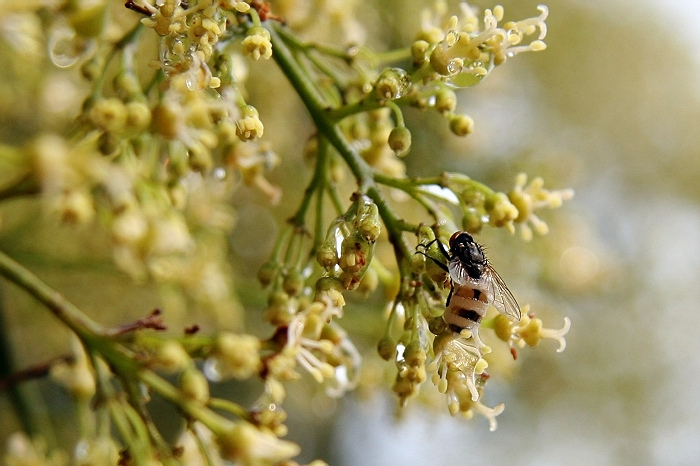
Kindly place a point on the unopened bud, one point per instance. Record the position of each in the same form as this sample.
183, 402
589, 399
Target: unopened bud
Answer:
461, 125
392, 83
194, 385
400, 140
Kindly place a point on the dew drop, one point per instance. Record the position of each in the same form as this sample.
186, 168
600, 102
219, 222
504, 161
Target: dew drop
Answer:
211, 370
219, 173
455, 66
63, 48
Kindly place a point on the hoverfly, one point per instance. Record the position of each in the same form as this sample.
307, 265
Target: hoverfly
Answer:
475, 285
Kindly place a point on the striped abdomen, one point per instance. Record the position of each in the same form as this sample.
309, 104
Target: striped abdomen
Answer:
467, 305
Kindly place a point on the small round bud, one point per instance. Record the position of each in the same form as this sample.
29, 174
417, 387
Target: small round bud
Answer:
461, 125
369, 225
400, 140
239, 355
280, 309
268, 271
445, 101
167, 119
172, 357
200, 158
327, 256
472, 222
108, 115
414, 354
418, 50
392, 84
245, 444
138, 116
387, 348
418, 263
194, 385
325, 284
293, 283
88, 21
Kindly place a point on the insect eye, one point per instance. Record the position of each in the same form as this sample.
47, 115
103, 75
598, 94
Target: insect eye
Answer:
454, 237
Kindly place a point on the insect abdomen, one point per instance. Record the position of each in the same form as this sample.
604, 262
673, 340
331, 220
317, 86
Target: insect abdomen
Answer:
466, 308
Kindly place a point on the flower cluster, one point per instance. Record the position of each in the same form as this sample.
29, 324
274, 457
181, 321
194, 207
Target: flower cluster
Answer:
307, 337
349, 244
456, 360
156, 160
463, 52
482, 206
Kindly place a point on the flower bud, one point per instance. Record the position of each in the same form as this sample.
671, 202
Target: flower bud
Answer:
445, 101
167, 119
138, 116
418, 263
239, 355
325, 284
327, 256
293, 282
194, 385
369, 225
280, 309
387, 348
89, 21
392, 84
268, 271
245, 444
472, 222
414, 354
461, 125
127, 85
418, 50
108, 115
400, 140
172, 357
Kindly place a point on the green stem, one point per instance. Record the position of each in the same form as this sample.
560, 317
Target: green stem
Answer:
229, 406
68, 313
201, 445
214, 422
26, 400
130, 37
363, 173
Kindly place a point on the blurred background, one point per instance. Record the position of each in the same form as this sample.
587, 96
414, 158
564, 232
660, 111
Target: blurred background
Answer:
610, 109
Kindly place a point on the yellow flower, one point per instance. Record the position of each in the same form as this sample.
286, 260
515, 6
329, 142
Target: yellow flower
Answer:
529, 330
530, 197
257, 43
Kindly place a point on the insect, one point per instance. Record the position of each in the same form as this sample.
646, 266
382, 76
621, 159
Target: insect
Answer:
475, 285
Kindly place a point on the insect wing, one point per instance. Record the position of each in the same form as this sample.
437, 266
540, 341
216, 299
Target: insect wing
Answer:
458, 273
502, 299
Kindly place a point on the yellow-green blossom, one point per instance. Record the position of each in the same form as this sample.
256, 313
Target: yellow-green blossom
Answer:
529, 330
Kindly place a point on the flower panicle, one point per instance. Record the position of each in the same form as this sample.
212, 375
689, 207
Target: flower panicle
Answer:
462, 50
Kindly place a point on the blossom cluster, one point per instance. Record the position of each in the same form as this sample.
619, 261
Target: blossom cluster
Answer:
459, 359
156, 161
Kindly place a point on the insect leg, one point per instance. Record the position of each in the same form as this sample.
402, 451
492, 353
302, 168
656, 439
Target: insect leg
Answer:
439, 264
449, 296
